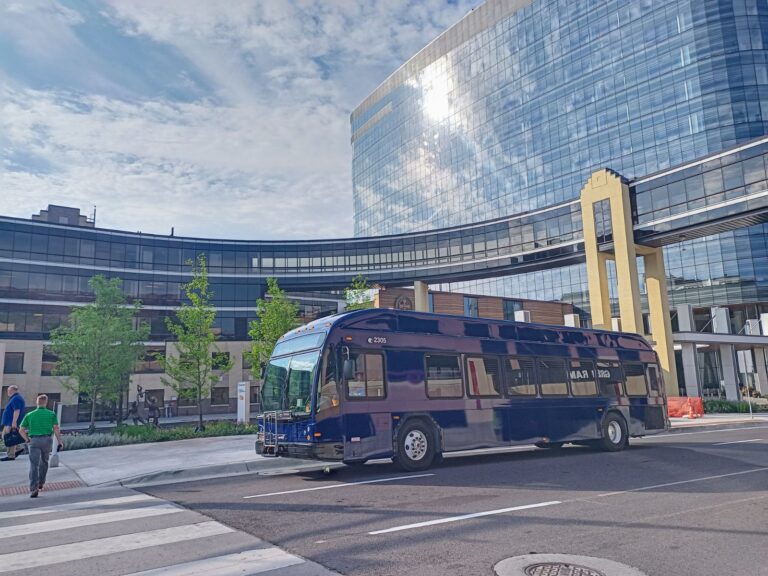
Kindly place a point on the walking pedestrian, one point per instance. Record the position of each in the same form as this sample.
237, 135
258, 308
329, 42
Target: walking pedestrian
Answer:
37, 428
12, 415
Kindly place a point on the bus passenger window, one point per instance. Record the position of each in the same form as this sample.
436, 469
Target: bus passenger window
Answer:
654, 382
367, 381
483, 375
553, 377
582, 374
635, 374
610, 379
443, 377
328, 391
520, 377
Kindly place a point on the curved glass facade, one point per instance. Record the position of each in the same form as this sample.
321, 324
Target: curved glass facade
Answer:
514, 107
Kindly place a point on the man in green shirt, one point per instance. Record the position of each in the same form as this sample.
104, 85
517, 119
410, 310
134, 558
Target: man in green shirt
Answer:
37, 428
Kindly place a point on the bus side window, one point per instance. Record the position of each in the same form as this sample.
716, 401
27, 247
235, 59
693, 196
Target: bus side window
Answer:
520, 377
610, 379
553, 377
483, 376
443, 376
367, 381
654, 383
635, 374
582, 375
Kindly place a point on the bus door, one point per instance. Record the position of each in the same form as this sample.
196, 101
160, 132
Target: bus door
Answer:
367, 427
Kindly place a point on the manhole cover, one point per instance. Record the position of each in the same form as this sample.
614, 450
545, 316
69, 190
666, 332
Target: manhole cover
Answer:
560, 569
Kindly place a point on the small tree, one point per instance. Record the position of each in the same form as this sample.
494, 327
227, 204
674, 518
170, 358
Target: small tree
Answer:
276, 316
99, 347
358, 294
191, 372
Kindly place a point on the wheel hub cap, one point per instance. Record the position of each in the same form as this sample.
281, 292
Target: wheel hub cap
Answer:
415, 445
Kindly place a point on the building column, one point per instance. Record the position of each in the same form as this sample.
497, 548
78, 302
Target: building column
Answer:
626, 258
690, 369
606, 185
757, 328
421, 296
721, 325
658, 306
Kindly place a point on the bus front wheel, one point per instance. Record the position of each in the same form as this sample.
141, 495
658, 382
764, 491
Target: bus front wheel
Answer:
615, 434
415, 446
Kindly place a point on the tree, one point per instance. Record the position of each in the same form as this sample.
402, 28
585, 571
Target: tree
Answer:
192, 371
358, 294
276, 316
98, 348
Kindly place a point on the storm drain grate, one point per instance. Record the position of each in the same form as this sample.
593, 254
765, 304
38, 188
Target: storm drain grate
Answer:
560, 569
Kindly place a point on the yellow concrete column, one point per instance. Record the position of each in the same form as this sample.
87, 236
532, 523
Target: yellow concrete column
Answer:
661, 324
421, 296
625, 256
597, 274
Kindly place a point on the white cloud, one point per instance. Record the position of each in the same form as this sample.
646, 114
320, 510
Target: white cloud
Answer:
264, 154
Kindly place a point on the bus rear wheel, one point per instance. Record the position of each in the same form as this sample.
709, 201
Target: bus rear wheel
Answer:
415, 448
615, 434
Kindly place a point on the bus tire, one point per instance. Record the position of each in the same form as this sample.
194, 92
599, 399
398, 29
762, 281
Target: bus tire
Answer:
415, 449
615, 436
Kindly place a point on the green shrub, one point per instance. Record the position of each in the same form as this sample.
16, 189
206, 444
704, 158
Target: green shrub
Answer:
727, 407
138, 434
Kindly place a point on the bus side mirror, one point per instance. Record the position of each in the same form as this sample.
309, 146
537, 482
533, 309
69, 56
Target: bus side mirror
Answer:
263, 371
349, 369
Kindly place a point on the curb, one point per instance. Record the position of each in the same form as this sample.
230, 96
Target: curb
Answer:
718, 426
274, 466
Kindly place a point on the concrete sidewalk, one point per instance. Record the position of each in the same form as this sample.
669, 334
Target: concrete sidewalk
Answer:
200, 458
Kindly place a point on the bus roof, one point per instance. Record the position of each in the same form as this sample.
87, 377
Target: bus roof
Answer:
350, 319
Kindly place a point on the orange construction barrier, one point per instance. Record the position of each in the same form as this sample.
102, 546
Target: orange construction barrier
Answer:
685, 407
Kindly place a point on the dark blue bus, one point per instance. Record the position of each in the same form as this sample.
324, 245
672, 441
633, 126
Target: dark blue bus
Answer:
412, 386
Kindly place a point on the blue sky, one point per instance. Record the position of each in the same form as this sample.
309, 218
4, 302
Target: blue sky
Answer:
222, 119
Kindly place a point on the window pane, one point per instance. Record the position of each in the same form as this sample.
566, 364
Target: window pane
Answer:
368, 376
220, 396
609, 378
553, 377
328, 390
14, 363
582, 373
483, 377
443, 377
520, 377
654, 382
635, 379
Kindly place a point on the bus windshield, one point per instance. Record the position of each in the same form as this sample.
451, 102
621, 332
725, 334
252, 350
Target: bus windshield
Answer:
288, 383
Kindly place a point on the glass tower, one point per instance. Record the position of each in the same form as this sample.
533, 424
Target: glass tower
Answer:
513, 108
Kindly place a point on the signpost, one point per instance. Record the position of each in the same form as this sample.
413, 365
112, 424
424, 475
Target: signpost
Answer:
243, 402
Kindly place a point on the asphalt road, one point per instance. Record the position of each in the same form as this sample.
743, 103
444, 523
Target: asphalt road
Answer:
682, 504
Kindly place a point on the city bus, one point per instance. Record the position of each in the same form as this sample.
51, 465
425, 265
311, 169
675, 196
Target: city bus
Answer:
412, 386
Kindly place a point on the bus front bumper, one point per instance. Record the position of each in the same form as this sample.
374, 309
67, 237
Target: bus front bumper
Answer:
307, 450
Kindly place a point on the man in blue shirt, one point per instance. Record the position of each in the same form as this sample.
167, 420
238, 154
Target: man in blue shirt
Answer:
12, 415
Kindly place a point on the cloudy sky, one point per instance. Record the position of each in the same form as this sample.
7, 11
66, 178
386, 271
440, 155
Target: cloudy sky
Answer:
222, 119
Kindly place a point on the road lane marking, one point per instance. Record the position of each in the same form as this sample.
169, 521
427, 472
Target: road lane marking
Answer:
77, 506
668, 484
50, 555
738, 442
464, 517
88, 520
343, 485
248, 562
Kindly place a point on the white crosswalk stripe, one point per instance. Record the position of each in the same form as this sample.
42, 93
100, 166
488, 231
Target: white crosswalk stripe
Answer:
145, 535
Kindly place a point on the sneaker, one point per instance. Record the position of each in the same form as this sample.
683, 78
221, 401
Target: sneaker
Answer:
7, 459
33, 494
40, 487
